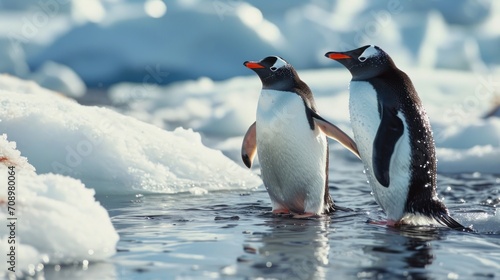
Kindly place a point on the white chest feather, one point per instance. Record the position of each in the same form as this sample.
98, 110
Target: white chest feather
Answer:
292, 156
365, 120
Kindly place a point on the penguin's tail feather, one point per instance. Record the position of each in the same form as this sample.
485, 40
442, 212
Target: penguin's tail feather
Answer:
329, 209
340, 208
447, 220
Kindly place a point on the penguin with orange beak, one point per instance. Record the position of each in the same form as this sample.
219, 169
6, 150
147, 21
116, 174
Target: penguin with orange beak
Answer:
394, 139
290, 138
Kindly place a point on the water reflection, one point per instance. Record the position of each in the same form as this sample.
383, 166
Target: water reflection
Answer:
401, 253
291, 249
97, 270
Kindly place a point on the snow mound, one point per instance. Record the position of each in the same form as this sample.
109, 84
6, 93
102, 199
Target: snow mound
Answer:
222, 109
472, 147
57, 217
114, 153
14, 84
50, 75
59, 78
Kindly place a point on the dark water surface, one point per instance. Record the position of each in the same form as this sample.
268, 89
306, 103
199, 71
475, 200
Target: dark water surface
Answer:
232, 235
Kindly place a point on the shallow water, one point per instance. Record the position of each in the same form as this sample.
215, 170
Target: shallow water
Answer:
232, 235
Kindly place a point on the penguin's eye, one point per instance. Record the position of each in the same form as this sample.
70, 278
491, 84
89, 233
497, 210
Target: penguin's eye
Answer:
362, 58
273, 68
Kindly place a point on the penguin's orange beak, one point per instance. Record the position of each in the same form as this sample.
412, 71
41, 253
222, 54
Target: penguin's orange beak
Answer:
253, 65
336, 55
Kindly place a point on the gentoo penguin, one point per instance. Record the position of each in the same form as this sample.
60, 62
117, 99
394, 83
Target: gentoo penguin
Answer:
289, 137
394, 139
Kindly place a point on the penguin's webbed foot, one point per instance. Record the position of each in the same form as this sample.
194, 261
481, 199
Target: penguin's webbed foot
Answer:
281, 211
389, 223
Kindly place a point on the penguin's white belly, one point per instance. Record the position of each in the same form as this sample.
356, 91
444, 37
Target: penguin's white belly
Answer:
291, 155
365, 120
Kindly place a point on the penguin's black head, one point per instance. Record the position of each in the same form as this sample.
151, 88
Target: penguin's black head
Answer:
364, 63
274, 72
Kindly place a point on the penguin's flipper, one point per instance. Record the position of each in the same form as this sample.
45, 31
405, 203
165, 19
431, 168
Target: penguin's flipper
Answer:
334, 132
389, 131
249, 145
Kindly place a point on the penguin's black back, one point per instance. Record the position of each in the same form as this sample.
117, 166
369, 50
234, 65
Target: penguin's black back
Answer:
395, 89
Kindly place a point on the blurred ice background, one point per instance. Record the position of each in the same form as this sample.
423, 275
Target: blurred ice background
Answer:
109, 41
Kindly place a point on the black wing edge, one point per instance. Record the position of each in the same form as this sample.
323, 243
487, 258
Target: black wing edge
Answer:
244, 155
448, 221
246, 160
